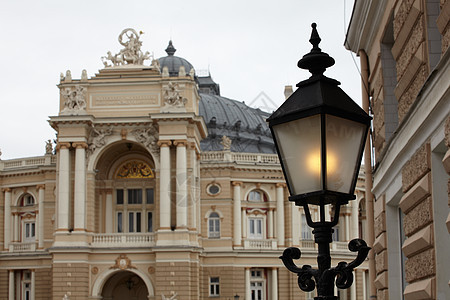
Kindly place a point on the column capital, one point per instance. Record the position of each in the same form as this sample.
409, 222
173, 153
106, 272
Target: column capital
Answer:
108, 191
62, 145
164, 143
236, 183
79, 145
180, 143
40, 187
281, 184
6, 190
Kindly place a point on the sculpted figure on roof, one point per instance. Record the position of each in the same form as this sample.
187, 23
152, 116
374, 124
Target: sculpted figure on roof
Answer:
131, 54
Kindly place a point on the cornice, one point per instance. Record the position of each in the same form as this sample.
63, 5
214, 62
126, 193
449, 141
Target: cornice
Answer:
365, 22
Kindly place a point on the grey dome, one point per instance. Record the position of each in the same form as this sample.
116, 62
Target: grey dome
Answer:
173, 63
245, 126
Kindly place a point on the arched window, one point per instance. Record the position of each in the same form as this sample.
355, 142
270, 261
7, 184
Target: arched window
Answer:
214, 226
134, 197
27, 219
26, 200
257, 196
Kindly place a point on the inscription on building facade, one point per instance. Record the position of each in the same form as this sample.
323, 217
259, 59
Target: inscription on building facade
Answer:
120, 100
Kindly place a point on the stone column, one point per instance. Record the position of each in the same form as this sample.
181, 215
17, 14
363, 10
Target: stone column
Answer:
7, 219
41, 211
164, 185
11, 287
181, 173
280, 213
33, 284
63, 187
354, 219
270, 225
295, 216
248, 291
353, 288
80, 186
244, 223
274, 293
237, 228
347, 227
109, 214
16, 227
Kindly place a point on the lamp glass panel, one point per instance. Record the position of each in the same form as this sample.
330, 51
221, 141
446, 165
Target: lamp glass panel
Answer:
299, 143
343, 142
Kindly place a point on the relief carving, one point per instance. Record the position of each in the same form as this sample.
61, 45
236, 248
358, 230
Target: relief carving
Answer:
172, 96
97, 139
74, 100
148, 137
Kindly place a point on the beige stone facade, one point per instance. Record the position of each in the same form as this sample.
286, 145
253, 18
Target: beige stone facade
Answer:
129, 206
405, 44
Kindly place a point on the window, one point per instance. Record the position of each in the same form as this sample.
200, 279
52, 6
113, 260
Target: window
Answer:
149, 196
336, 233
30, 231
306, 230
149, 222
134, 202
26, 285
119, 222
134, 221
255, 228
213, 189
255, 196
119, 196
257, 285
214, 286
28, 200
214, 225
134, 196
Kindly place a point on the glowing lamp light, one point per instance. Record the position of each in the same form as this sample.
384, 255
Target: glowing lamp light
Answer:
319, 133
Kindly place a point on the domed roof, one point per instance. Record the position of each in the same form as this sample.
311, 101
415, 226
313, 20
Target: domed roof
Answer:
245, 126
172, 62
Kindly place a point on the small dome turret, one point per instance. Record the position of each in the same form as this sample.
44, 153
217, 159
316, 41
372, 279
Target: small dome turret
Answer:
172, 62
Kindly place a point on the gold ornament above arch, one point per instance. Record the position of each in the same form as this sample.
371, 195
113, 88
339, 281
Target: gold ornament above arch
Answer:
134, 169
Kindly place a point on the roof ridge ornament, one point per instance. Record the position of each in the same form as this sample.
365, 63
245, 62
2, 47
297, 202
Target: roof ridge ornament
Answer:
131, 54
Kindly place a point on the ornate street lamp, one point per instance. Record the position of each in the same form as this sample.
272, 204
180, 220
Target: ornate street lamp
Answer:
320, 132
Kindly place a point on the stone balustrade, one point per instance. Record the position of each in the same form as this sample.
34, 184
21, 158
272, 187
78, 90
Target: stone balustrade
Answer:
28, 162
219, 156
127, 240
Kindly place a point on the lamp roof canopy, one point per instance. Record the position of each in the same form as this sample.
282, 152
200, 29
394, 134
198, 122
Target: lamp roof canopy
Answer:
318, 94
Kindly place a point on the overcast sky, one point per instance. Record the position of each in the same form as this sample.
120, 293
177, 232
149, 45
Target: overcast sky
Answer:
249, 46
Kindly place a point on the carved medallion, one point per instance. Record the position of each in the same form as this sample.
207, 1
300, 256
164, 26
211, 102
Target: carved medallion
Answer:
123, 262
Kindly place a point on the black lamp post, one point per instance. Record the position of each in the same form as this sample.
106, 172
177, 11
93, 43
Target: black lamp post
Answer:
320, 132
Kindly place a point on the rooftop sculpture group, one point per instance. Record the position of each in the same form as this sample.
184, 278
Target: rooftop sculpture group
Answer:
131, 54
